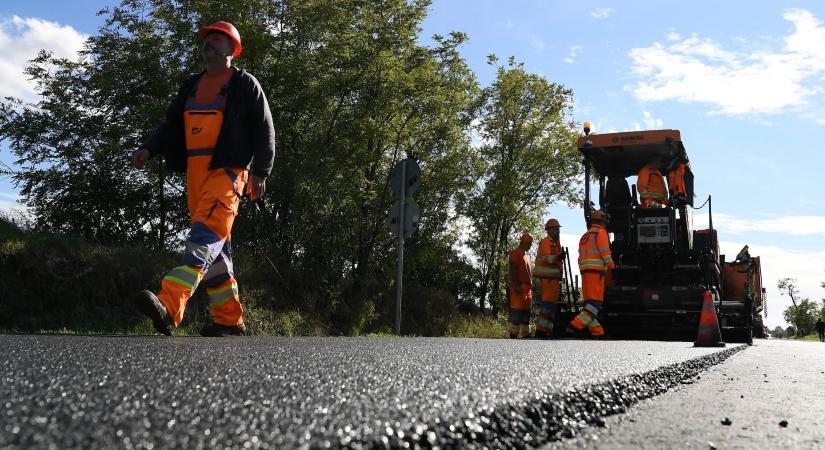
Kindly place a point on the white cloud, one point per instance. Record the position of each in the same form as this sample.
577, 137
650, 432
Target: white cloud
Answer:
572, 53
20, 41
8, 201
650, 122
601, 13
672, 36
806, 266
791, 225
734, 82
537, 44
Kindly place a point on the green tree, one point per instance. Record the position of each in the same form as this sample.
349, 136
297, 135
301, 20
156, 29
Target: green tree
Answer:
778, 332
352, 91
529, 161
787, 286
802, 316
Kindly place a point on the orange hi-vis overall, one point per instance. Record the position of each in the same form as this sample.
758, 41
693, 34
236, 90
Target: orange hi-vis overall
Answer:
594, 261
520, 303
548, 270
676, 181
213, 199
651, 186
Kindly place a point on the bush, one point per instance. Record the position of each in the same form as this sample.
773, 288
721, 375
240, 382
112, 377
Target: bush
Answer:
778, 332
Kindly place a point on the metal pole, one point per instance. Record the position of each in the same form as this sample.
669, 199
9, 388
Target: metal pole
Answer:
400, 276
566, 282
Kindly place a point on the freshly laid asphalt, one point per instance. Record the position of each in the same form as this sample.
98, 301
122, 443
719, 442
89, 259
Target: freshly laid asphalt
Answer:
770, 396
264, 392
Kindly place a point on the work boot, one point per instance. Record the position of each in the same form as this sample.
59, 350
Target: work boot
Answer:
217, 330
148, 304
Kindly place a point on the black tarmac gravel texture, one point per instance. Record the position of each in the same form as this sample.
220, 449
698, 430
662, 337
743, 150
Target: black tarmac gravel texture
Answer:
263, 392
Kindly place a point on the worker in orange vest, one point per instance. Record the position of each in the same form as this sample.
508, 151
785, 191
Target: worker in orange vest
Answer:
223, 155
548, 270
595, 260
651, 185
676, 182
521, 288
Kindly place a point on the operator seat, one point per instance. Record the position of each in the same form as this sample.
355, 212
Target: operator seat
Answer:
617, 203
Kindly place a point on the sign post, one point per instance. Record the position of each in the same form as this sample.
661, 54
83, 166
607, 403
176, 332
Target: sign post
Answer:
405, 215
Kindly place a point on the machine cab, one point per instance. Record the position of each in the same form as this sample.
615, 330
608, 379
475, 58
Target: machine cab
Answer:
648, 242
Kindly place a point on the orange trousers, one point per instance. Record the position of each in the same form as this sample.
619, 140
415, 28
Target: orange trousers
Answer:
208, 255
593, 293
520, 305
213, 199
550, 293
593, 286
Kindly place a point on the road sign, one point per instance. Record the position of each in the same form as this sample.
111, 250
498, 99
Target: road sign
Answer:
412, 174
405, 179
412, 216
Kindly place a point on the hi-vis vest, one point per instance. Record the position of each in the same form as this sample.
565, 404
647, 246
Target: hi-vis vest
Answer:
548, 263
676, 180
651, 185
594, 251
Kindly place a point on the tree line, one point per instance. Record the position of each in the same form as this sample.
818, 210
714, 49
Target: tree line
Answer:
352, 90
803, 312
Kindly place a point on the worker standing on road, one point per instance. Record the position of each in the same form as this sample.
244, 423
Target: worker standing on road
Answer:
594, 261
549, 271
651, 185
521, 288
217, 130
820, 328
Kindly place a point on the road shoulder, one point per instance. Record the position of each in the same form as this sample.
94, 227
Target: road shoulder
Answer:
755, 390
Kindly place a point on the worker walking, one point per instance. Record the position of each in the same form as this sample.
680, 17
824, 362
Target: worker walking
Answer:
548, 270
651, 185
217, 130
594, 261
820, 328
521, 288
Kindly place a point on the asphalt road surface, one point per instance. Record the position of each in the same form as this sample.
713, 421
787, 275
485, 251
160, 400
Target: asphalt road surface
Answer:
770, 396
260, 392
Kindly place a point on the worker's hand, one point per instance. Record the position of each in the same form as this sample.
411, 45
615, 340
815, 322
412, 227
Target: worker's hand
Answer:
139, 158
562, 255
257, 187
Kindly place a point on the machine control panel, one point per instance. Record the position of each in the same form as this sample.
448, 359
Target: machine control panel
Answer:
653, 230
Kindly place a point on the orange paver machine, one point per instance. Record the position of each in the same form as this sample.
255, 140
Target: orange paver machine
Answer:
663, 265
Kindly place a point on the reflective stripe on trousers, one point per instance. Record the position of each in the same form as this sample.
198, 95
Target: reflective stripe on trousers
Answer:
519, 323
587, 318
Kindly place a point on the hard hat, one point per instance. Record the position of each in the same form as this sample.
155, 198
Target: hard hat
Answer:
227, 29
526, 238
552, 223
598, 215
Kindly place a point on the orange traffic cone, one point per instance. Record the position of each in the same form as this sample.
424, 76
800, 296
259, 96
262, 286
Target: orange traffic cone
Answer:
709, 333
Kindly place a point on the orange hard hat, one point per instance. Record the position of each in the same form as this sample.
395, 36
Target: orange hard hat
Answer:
552, 223
526, 238
598, 215
227, 29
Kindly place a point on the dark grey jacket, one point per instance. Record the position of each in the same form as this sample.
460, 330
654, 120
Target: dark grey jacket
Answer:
247, 137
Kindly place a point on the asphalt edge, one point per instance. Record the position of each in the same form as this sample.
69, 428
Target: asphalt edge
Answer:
548, 417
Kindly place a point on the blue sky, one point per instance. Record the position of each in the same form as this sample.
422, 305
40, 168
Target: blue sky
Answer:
744, 81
